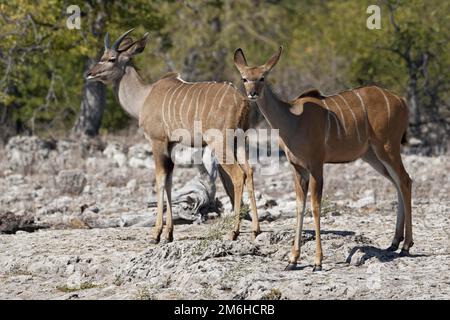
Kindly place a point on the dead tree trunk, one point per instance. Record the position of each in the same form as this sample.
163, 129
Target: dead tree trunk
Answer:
94, 92
197, 197
92, 107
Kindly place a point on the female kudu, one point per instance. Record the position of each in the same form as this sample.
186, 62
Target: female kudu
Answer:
367, 122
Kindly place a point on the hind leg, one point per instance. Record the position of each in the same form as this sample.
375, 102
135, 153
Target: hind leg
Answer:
392, 161
237, 175
163, 171
371, 158
251, 193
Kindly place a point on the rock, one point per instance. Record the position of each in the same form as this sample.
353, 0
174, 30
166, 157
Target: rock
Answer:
120, 159
74, 281
116, 151
71, 181
132, 185
270, 203
414, 142
11, 223
15, 179
357, 258
25, 153
139, 156
366, 200
180, 257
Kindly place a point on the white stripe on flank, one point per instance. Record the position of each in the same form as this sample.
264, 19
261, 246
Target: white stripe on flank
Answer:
198, 91
223, 96
163, 111
213, 105
190, 104
342, 115
387, 105
234, 98
353, 115
180, 108
395, 95
398, 98
204, 102
364, 110
170, 102
196, 103
186, 114
335, 119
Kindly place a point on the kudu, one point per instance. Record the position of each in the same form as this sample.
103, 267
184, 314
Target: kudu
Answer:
171, 104
368, 122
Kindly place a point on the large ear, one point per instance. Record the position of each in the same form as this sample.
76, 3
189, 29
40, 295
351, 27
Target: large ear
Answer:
239, 59
273, 60
136, 47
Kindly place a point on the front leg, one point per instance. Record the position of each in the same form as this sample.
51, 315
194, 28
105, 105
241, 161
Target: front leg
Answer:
168, 236
316, 199
160, 155
301, 178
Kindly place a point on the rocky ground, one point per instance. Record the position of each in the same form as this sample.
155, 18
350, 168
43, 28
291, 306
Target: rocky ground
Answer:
73, 226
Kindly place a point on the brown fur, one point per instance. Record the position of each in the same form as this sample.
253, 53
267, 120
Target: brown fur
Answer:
367, 122
313, 93
170, 104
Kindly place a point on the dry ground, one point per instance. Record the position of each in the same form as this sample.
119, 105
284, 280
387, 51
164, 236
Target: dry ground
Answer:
95, 258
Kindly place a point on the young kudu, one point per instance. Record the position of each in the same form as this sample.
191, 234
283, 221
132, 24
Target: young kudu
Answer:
367, 122
168, 105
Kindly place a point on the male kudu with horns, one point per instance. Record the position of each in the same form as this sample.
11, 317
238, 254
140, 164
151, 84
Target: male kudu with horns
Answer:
367, 122
171, 104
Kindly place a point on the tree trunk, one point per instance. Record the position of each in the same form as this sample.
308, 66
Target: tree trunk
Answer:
92, 107
412, 96
94, 92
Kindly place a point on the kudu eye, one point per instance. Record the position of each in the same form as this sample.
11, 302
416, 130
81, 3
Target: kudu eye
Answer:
112, 60
244, 80
261, 79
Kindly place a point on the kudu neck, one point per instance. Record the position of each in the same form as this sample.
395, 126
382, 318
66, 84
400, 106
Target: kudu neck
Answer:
275, 110
131, 91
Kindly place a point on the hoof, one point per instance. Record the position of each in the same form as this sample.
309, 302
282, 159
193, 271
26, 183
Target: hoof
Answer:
234, 235
392, 248
291, 266
404, 253
317, 267
154, 241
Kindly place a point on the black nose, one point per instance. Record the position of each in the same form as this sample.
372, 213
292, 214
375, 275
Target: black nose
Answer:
253, 94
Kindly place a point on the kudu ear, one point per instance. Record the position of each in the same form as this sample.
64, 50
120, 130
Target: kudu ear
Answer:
273, 60
239, 59
138, 46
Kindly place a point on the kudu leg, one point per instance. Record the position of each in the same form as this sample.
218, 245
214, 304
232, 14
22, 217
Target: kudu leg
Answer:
371, 158
227, 183
391, 159
251, 192
168, 236
160, 155
237, 175
301, 179
316, 185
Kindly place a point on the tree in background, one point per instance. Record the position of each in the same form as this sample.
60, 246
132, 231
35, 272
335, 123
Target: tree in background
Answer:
327, 46
43, 62
102, 16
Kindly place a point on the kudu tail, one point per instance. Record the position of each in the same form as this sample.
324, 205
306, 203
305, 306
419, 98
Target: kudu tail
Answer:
405, 134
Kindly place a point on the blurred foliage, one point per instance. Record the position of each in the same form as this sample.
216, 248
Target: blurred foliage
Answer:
327, 45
